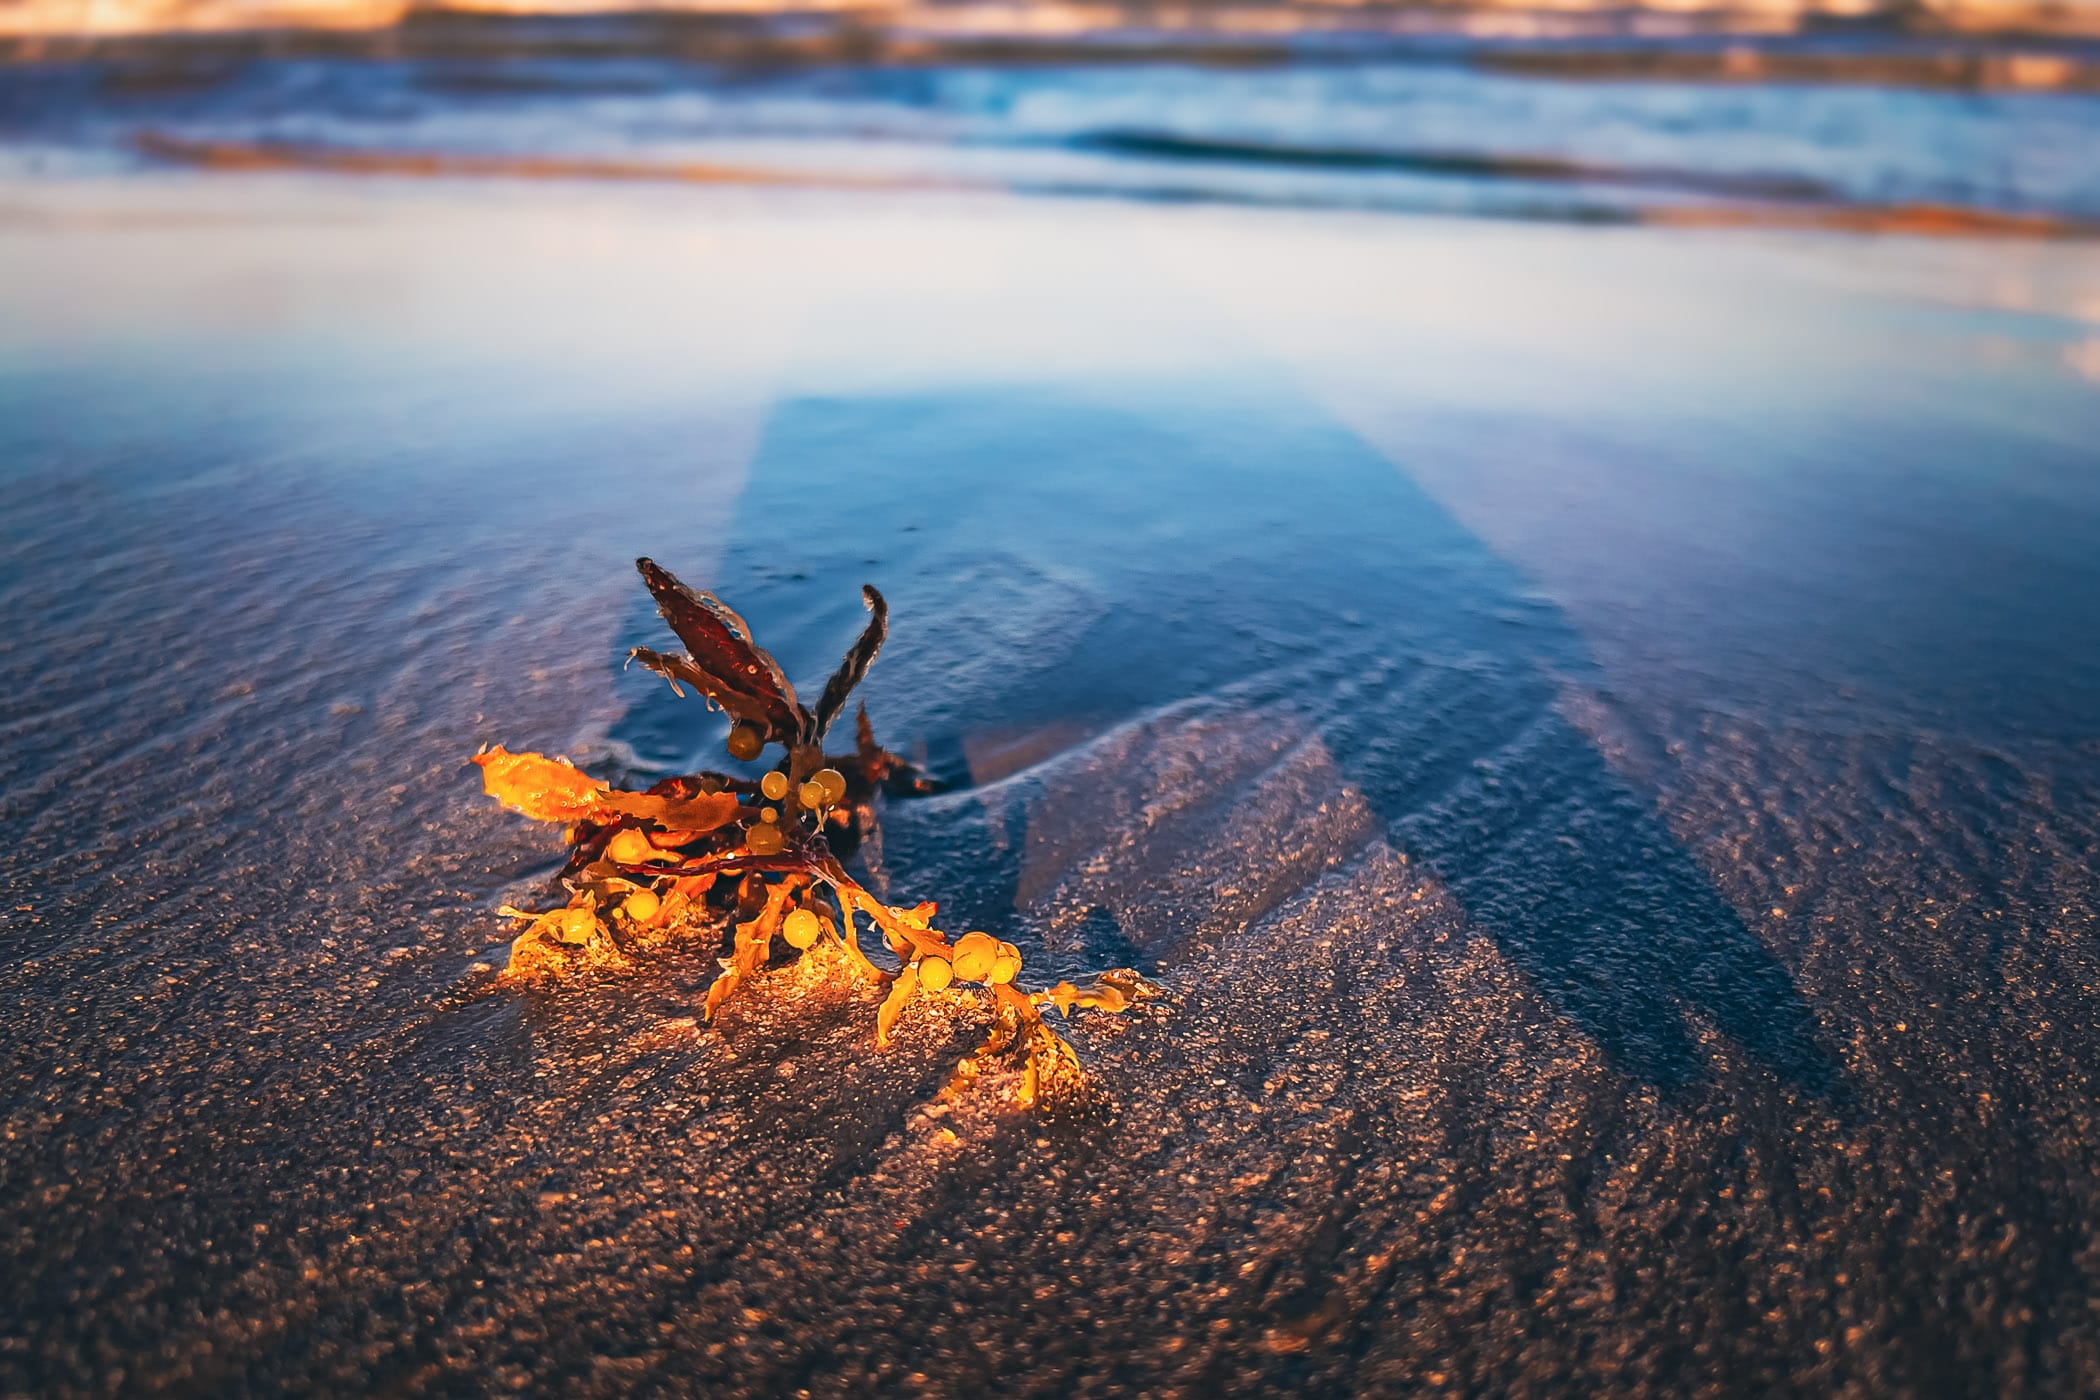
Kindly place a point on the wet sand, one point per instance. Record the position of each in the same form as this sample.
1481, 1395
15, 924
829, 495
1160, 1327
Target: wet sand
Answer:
1595, 729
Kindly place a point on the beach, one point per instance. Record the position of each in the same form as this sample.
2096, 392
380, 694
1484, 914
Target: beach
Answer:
1593, 723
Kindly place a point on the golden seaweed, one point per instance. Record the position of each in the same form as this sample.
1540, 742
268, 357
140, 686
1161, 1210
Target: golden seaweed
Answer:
766, 859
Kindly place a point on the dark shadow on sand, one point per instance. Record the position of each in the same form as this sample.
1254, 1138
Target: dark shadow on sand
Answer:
1053, 556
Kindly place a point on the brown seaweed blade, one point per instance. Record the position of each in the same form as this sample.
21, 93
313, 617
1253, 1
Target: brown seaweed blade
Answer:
722, 661
854, 668
884, 769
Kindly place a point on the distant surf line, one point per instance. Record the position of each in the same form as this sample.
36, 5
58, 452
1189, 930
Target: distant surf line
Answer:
1463, 164
1908, 219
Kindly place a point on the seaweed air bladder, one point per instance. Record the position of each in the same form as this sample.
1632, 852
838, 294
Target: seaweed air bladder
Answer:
764, 862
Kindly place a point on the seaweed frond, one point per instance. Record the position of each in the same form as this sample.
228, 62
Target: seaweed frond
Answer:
766, 858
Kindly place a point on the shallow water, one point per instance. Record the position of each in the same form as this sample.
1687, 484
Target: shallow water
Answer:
1598, 730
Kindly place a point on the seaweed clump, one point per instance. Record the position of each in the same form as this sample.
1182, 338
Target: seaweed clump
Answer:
766, 857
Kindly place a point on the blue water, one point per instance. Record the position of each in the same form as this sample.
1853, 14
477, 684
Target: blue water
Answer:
1417, 136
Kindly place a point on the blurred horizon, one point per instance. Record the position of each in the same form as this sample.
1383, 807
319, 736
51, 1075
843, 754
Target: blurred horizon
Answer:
1586, 116
1051, 21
